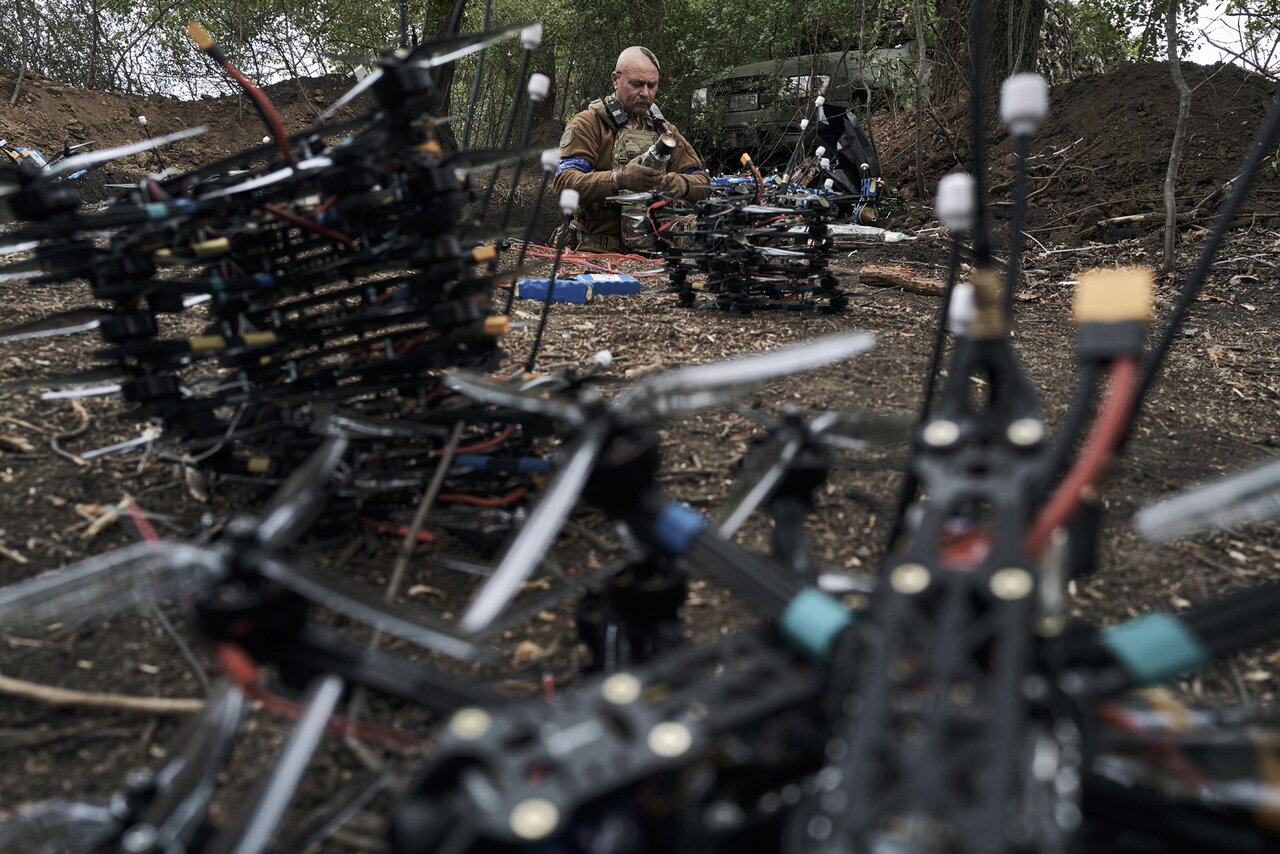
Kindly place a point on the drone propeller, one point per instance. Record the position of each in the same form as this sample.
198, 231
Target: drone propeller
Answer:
754, 487
107, 584
1246, 497
185, 785
767, 465
300, 499
257, 819
428, 55
57, 826
540, 530
283, 174
62, 323
92, 375
667, 395
102, 155
508, 395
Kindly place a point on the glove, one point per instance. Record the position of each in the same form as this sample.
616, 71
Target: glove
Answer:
633, 176
675, 184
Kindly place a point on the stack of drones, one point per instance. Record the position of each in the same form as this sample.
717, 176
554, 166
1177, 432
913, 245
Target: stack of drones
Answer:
740, 255
952, 705
335, 282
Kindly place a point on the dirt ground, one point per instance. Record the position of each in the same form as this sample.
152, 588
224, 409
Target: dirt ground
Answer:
1217, 409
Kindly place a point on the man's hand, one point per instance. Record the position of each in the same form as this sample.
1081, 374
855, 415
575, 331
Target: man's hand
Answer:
633, 176
675, 184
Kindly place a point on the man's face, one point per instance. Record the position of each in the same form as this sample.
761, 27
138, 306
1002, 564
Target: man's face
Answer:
635, 87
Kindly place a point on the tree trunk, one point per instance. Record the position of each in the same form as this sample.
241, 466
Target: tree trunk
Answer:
1179, 136
1014, 38
918, 12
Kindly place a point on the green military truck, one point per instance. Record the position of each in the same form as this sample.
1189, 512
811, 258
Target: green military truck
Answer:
759, 107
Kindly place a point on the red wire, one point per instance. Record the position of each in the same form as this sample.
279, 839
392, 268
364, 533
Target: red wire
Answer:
141, 522
309, 224
476, 501
487, 444
243, 670
759, 180
268, 110
401, 531
1108, 429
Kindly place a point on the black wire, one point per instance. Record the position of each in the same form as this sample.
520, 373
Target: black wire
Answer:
1072, 425
911, 483
1259, 148
528, 235
1022, 149
981, 62
551, 287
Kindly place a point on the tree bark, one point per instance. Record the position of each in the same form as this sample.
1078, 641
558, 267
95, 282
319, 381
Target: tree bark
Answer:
1179, 136
918, 12
1015, 43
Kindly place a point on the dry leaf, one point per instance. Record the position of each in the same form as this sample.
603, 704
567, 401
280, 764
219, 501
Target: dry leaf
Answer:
528, 652
424, 590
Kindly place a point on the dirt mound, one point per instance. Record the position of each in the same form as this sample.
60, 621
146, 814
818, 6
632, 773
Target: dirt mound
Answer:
1104, 150
49, 114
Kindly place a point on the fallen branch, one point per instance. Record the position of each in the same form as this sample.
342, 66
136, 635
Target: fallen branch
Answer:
121, 702
877, 276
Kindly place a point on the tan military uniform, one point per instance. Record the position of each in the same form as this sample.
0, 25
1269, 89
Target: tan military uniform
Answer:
593, 145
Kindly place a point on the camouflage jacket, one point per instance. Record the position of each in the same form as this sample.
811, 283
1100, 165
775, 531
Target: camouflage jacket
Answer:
593, 145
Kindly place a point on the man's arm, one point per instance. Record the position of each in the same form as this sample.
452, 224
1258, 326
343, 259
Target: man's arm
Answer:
583, 162
686, 177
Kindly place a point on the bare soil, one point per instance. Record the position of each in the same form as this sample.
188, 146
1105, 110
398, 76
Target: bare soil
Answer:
1217, 409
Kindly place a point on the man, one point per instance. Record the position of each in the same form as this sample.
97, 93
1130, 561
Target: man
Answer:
600, 155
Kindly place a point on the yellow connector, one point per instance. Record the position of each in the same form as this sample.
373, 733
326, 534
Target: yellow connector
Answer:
199, 35
210, 248
744, 159
988, 301
258, 339
1113, 295
496, 326
484, 253
206, 343
258, 465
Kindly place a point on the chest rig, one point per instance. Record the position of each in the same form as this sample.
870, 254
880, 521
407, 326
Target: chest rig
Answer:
632, 137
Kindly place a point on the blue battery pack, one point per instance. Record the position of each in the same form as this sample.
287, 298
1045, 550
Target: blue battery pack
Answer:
611, 284
566, 290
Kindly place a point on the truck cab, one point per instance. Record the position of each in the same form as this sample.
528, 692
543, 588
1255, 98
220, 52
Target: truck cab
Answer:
758, 107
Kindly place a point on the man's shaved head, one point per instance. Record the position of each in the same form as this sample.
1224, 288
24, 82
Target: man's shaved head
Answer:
635, 79
637, 54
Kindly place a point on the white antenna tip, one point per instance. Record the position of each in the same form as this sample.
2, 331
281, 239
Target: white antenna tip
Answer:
539, 86
954, 202
568, 201
603, 359
531, 36
142, 120
1024, 102
550, 159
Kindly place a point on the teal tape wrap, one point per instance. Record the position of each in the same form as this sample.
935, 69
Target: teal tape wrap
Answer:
1155, 647
812, 621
